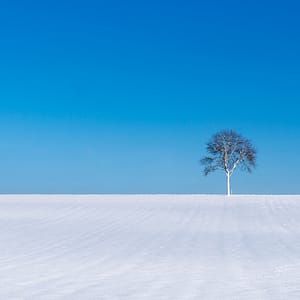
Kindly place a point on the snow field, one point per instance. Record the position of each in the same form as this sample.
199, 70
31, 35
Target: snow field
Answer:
142, 247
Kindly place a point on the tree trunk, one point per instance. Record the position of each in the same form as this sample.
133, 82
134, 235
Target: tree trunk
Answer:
228, 185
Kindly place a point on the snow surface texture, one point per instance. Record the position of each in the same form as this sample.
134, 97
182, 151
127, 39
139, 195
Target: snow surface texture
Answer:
150, 247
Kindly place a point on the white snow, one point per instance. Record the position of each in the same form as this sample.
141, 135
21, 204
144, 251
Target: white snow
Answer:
149, 247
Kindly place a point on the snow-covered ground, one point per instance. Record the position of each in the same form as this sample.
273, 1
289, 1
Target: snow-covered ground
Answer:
150, 247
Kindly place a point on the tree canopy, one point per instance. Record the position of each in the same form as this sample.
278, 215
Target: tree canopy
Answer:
227, 151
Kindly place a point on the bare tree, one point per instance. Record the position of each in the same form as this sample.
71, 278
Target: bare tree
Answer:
227, 151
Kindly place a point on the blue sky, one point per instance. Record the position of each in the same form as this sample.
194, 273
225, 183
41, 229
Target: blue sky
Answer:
121, 96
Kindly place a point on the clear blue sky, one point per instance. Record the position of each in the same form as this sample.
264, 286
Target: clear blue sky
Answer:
121, 96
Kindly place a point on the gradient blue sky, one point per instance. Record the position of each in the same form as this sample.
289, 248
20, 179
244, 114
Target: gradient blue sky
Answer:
121, 96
